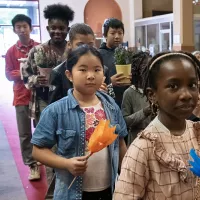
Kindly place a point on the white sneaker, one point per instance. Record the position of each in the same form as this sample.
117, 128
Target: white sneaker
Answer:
34, 173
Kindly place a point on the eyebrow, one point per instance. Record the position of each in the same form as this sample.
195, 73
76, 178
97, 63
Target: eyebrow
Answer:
177, 79
87, 66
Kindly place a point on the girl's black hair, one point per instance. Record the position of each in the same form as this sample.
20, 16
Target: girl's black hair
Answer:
152, 74
139, 63
59, 11
21, 18
113, 23
75, 54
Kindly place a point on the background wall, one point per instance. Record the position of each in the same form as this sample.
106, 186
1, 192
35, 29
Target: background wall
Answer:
97, 11
79, 6
149, 5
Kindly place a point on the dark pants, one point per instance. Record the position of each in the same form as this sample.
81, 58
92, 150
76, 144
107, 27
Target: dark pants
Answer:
25, 134
102, 195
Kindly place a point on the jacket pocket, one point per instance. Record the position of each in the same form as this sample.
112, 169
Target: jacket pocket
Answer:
66, 141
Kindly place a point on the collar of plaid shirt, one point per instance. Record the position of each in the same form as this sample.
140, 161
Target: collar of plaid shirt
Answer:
165, 158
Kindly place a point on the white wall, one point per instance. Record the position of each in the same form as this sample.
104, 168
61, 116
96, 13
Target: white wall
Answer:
130, 11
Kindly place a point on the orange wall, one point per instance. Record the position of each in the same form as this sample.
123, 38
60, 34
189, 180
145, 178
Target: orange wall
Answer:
96, 11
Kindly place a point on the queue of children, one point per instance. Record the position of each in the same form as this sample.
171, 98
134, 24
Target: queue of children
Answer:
84, 89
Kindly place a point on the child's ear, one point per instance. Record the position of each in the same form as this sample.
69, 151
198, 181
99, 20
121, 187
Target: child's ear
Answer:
69, 75
69, 45
151, 95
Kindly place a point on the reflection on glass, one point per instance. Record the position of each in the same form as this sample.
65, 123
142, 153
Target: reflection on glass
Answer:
140, 36
8, 10
153, 38
197, 35
165, 42
164, 26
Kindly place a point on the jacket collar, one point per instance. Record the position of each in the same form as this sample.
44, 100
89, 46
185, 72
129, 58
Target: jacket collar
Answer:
105, 99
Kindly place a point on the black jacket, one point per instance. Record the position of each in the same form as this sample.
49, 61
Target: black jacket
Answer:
59, 83
109, 61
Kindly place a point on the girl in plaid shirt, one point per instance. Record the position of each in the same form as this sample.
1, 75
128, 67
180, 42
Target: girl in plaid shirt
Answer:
156, 165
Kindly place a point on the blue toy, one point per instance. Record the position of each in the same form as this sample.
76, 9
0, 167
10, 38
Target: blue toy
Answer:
195, 163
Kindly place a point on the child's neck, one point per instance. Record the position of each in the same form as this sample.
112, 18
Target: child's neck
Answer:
174, 125
25, 41
85, 100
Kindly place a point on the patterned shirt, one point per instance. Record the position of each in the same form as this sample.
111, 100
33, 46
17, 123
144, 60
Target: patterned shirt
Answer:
156, 165
98, 174
30, 71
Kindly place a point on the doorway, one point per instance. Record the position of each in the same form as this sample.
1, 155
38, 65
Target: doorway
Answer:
165, 40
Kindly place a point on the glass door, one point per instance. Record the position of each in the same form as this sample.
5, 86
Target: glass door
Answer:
165, 40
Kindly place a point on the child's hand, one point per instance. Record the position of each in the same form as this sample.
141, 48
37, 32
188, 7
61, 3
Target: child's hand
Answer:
77, 165
42, 80
103, 88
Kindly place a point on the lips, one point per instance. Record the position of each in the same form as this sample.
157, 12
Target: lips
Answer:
187, 107
90, 84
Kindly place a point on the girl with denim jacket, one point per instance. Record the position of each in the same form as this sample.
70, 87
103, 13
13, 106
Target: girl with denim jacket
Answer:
70, 122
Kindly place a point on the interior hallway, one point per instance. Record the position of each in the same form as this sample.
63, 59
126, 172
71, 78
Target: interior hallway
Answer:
14, 183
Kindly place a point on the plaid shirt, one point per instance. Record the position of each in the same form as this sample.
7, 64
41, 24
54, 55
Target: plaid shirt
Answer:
30, 72
156, 165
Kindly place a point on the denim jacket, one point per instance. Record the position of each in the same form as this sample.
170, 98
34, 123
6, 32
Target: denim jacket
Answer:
63, 123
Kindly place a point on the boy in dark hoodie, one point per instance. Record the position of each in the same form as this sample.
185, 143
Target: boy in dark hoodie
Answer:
113, 31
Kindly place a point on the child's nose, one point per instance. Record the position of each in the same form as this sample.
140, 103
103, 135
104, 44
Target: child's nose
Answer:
90, 76
185, 94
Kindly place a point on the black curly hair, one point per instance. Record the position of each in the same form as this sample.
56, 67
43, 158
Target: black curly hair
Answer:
151, 71
59, 11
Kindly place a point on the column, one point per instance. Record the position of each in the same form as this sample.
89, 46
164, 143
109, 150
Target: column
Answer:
183, 33
131, 10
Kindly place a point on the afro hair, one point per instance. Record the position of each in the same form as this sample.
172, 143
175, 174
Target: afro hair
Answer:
59, 11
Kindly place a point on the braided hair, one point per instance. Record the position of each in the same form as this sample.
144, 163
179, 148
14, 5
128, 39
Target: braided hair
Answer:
139, 63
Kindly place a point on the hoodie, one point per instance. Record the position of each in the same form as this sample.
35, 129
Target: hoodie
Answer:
109, 61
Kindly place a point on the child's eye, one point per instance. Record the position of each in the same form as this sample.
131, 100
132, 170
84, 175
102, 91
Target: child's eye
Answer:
82, 70
173, 86
97, 70
193, 85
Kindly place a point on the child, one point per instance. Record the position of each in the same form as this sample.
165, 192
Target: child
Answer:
70, 122
196, 112
135, 107
156, 164
47, 55
79, 34
113, 31
22, 26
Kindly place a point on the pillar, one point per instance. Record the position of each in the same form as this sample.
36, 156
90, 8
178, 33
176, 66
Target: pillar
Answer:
183, 33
